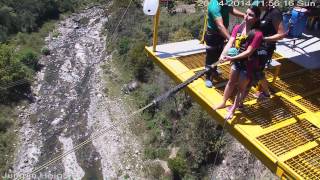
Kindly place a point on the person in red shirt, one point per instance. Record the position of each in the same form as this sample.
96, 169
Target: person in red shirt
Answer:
246, 37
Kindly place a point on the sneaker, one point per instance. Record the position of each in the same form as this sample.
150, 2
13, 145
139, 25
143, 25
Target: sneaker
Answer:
208, 83
240, 108
264, 95
261, 95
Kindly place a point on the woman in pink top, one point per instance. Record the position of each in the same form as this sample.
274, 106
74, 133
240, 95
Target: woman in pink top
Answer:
245, 63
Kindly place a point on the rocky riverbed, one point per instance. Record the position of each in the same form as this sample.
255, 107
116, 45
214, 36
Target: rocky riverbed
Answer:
69, 106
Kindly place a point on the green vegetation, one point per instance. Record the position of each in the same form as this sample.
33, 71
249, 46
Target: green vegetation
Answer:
29, 15
178, 167
7, 136
14, 67
33, 41
155, 171
23, 26
153, 153
45, 51
178, 122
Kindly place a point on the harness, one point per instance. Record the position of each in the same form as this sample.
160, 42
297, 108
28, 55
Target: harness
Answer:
241, 43
266, 49
263, 53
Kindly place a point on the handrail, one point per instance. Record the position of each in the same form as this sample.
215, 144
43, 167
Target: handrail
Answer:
156, 20
204, 28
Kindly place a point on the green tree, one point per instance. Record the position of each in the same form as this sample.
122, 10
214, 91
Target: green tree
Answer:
3, 33
11, 71
29, 15
139, 61
66, 5
29, 58
124, 44
178, 166
6, 118
182, 34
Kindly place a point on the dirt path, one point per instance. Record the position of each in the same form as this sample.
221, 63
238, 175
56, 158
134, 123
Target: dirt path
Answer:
70, 105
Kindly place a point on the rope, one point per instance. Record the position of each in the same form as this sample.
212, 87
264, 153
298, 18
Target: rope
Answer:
116, 28
180, 86
101, 131
184, 84
219, 140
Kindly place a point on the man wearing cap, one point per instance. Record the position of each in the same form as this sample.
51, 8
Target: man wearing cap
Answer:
217, 32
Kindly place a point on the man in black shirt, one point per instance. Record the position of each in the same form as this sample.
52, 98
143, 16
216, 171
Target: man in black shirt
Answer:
273, 30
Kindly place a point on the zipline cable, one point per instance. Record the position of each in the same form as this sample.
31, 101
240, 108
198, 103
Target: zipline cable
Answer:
101, 131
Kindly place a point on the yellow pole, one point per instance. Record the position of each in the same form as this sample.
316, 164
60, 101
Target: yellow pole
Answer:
155, 29
204, 28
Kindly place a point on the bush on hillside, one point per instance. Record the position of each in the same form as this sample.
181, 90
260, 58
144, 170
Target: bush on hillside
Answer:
45, 51
29, 58
178, 167
139, 62
182, 34
5, 123
12, 70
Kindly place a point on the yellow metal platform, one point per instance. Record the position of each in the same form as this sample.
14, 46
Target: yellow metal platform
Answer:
283, 131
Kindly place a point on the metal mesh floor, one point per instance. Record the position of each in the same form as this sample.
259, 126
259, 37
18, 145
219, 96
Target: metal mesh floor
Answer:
198, 60
299, 84
271, 111
193, 61
307, 164
312, 102
288, 67
265, 116
290, 137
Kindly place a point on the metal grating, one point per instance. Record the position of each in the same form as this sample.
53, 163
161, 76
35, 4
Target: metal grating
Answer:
269, 73
193, 61
198, 60
224, 76
311, 102
271, 111
290, 137
306, 164
250, 96
288, 67
299, 84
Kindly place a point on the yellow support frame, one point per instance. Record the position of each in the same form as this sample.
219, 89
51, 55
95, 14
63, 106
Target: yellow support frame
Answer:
244, 133
156, 21
204, 28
